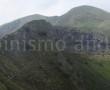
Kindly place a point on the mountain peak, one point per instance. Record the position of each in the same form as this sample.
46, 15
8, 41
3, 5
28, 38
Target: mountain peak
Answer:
85, 6
86, 9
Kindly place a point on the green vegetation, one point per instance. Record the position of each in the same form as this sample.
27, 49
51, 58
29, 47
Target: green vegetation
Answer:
53, 70
102, 65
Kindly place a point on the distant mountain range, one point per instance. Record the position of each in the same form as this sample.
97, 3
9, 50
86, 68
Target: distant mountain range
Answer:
86, 18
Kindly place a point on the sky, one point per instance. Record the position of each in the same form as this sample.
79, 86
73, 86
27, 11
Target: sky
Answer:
13, 9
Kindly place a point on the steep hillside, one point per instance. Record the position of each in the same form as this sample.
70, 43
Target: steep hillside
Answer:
47, 70
15, 25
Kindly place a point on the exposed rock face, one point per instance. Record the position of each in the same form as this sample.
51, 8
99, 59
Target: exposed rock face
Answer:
62, 38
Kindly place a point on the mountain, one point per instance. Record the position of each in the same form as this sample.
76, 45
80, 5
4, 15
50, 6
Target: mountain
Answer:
48, 70
86, 18
28, 64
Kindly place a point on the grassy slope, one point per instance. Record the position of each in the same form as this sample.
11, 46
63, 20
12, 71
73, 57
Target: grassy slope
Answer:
102, 65
48, 71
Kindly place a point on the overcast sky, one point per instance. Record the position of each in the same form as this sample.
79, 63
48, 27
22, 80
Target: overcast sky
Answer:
14, 9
